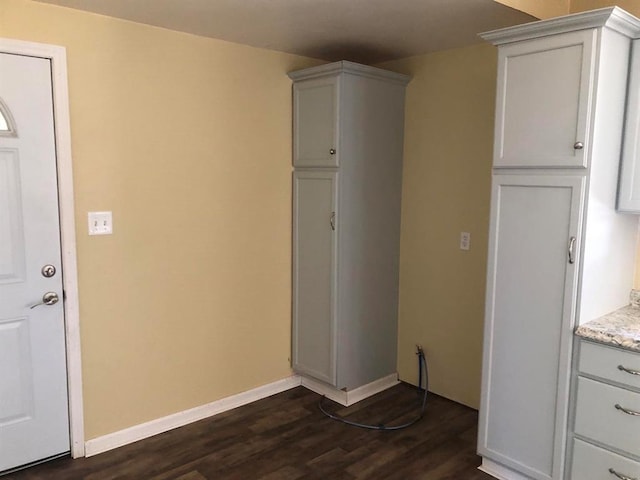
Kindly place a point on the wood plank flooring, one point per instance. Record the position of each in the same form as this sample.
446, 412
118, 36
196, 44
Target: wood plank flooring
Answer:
286, 437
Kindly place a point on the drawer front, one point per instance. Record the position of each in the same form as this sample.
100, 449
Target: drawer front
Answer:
598, 418
593, 463
604, 362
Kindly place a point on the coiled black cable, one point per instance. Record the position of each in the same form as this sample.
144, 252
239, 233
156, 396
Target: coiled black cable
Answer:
422, 371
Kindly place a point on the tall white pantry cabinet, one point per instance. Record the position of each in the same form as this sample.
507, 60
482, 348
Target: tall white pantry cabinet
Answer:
559, 253
347, 142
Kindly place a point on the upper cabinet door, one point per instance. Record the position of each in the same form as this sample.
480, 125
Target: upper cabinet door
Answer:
629, 186
315, 117
544, 100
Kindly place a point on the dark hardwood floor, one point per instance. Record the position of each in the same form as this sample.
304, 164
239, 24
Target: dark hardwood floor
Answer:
286, 437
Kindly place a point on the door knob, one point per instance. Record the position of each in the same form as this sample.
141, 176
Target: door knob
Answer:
48, 298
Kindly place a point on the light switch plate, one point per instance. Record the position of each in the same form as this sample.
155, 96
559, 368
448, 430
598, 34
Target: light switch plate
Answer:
100, 223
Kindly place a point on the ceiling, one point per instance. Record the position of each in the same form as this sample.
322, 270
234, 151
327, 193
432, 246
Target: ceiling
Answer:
365, 31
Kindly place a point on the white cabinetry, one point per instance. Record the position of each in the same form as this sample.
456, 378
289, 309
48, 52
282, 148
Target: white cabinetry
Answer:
529, 317
315, 135
606, 439
629, 193
559, 254
348, 137
315, 266
544, 100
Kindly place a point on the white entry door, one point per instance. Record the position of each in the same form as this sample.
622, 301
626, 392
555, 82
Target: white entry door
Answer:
34, 420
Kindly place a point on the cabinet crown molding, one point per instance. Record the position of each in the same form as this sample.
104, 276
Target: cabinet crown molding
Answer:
353, 68
613, 18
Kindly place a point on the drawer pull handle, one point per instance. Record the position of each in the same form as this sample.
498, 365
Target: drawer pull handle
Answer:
627, 411
628, 370
620, 476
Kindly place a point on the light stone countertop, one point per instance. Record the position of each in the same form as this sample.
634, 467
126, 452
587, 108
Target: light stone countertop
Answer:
619, 329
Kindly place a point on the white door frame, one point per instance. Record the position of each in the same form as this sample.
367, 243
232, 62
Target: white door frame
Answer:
58, 57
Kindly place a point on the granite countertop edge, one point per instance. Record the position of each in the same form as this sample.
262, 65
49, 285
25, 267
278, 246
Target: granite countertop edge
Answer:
620, 328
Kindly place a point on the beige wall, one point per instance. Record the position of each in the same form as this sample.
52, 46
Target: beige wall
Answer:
539, 8
631, 6
446, 190
554, 8
188, 141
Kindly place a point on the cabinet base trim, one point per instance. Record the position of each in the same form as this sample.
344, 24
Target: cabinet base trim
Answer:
500, 472
352, 396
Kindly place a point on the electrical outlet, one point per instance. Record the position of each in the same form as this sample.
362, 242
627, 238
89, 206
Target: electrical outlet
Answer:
465, 240
100, 223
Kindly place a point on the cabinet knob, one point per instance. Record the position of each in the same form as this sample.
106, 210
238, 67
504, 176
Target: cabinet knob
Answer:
578, 146
332, 151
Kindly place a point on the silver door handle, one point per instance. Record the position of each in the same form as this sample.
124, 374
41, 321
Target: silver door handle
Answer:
633, 413
48, 298
620, 475
332, 221
572, 245
578, 146
628, 370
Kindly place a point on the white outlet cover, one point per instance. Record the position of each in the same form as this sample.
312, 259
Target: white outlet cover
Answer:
465, 240
100, 223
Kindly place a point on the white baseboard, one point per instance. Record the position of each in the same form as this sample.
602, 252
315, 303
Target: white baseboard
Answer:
352, 396
499, 471
164, 424
154, 427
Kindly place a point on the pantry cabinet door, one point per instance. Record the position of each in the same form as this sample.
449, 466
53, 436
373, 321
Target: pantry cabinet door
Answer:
534, 254
314, 274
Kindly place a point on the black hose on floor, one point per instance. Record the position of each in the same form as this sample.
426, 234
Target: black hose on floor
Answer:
422, 371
